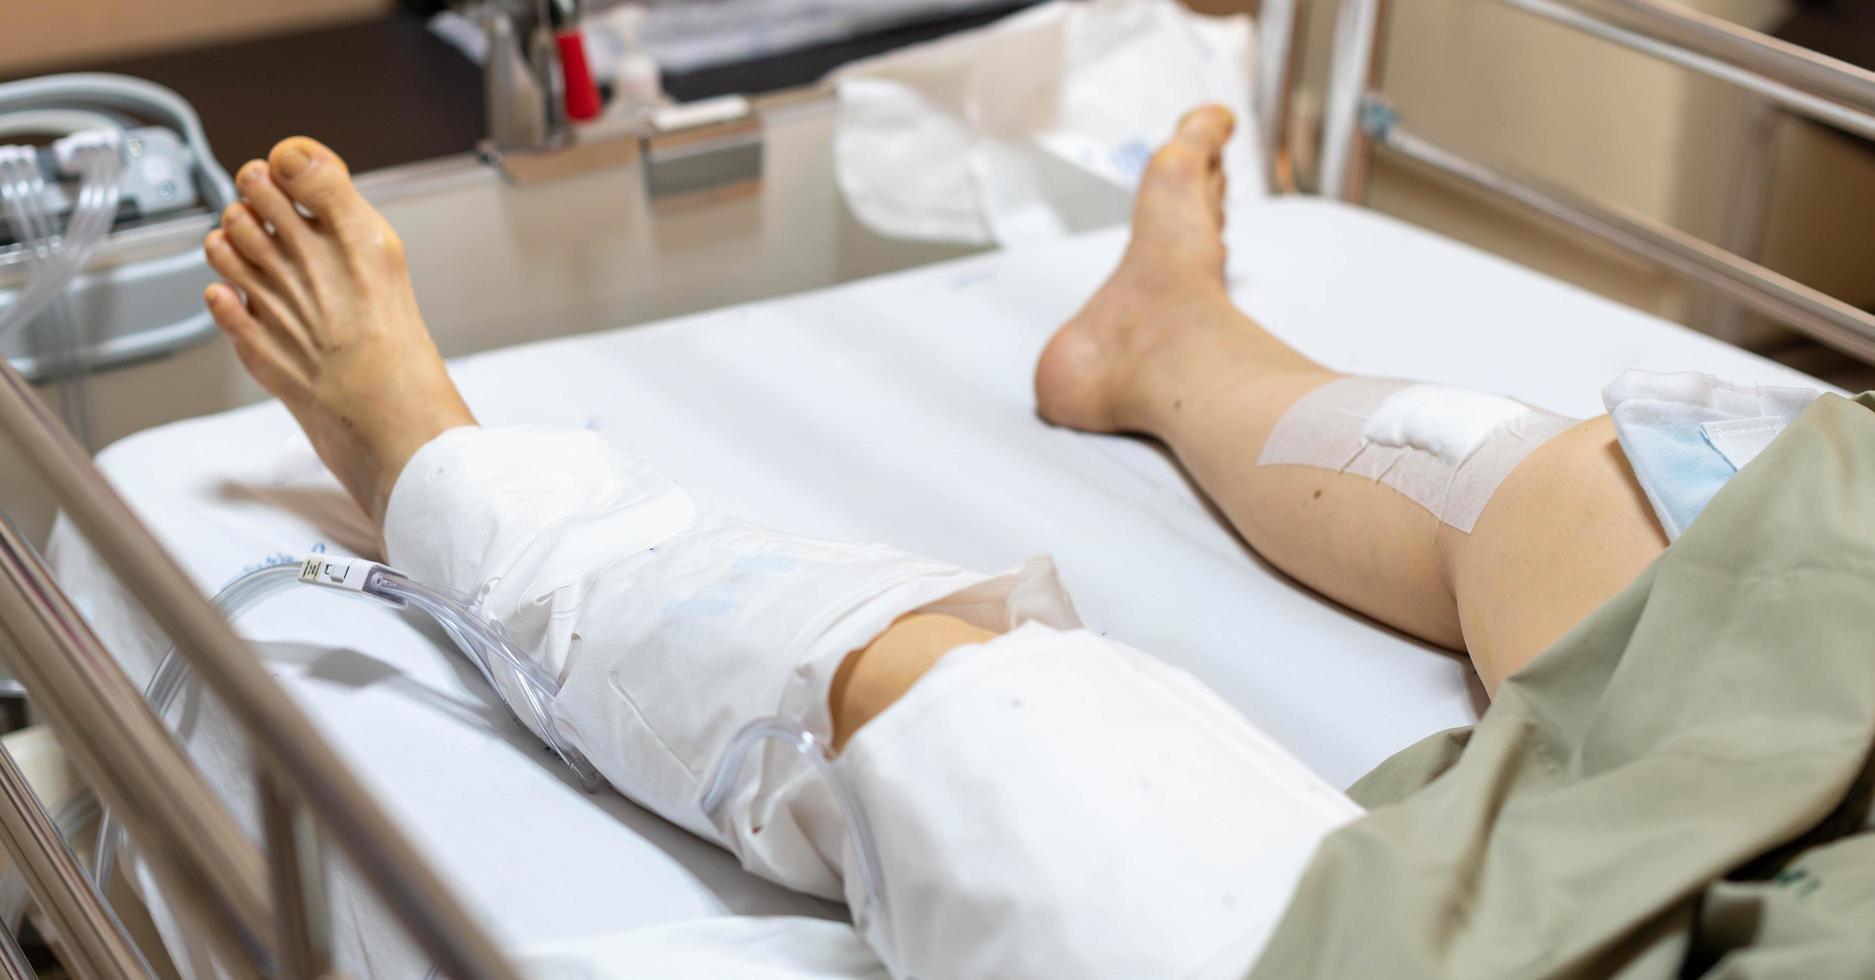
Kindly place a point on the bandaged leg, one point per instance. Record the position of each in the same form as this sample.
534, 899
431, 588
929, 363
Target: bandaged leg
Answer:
1047, 803
1055, 804
669, 628
1447, 449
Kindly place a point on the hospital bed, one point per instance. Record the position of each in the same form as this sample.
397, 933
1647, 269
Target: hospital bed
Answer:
446, 820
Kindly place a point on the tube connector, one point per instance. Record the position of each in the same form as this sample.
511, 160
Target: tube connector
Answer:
67, 149
344, 574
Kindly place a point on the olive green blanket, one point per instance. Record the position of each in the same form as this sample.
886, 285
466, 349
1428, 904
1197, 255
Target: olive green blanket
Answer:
1678, 788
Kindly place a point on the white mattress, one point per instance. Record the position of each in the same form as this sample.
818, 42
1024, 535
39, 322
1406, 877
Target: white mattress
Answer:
894, 409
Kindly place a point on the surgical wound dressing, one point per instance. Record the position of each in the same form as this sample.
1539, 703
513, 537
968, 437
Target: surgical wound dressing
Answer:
1685, 435
1446, 449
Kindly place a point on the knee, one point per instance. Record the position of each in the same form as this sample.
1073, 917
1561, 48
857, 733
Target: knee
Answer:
874, 676
1566, 531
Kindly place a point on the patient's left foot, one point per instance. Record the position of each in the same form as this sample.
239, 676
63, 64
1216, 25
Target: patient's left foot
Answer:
329, 324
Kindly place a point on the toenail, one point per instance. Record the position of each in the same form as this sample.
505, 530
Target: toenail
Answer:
252, 174
293, 162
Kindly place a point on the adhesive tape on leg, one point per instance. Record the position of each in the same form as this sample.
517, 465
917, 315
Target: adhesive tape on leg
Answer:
1446, 449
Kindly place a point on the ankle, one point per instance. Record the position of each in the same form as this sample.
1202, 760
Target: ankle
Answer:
393, 451
1188, 350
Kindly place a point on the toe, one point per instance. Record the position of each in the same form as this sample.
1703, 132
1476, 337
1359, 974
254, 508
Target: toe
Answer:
1206, 128
250, 239
257, 185
1196, 148
228, 263
230, 313
318, 180
271, 302
259, 352
243, 230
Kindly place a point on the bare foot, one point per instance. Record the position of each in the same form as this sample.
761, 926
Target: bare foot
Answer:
329, 324
1171, 281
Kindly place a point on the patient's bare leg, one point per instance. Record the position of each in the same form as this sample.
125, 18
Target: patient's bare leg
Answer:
1161, 350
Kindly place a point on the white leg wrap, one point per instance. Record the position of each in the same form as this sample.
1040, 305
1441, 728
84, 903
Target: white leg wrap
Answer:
1048, 803
1056, 804
1447, 449
671, 629
727, 623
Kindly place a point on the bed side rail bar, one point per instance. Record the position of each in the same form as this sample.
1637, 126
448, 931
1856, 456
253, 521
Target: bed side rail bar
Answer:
94, 940
265, 911
120, 746
1279, 54
1358, 119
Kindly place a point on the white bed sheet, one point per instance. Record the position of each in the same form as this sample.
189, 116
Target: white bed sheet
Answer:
895, 409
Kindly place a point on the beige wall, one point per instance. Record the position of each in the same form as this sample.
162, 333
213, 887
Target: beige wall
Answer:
40, 33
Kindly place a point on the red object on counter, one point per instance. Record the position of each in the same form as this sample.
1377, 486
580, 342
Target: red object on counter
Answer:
582, 95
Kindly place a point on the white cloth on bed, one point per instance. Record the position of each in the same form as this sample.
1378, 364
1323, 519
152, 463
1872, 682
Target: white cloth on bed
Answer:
1040, 124
1048, 802
731, 947
1686, 434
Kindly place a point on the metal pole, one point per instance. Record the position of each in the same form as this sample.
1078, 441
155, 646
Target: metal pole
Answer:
96, 943
1351, 76
1282, 23
298, 874
280, 733
1773, 58
1823, 317
13, 962
206, 865
1803, 103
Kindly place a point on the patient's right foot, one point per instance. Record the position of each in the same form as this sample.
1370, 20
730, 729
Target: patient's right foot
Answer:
1169, 284
329, 324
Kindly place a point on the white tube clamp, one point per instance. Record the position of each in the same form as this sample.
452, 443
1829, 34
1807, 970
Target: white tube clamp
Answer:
349, 574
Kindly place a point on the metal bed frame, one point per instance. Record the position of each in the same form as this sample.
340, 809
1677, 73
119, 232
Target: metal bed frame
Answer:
1358, 119
261, 905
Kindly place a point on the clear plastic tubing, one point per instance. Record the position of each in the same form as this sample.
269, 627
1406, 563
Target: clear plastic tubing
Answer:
56, 258
858, 828
482, 642
488, 648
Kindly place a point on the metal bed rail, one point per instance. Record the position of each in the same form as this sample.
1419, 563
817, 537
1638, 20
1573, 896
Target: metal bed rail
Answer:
1358, 119
262, 909
1279, 55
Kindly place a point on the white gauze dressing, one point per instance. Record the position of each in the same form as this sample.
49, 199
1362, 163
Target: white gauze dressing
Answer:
1446, 449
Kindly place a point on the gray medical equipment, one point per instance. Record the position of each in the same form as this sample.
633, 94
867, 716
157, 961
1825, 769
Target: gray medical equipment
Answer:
99, 173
